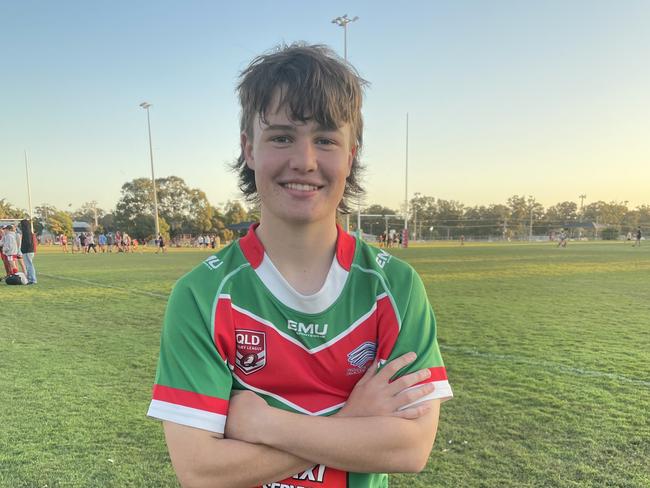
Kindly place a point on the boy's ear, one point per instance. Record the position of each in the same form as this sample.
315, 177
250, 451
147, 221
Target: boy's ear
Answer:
247, 150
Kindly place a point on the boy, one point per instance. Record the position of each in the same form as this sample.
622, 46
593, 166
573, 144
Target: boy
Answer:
299, 353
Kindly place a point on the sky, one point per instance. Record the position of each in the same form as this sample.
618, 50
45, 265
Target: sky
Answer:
549, 99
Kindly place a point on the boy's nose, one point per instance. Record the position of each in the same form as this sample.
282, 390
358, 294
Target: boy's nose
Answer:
304, 157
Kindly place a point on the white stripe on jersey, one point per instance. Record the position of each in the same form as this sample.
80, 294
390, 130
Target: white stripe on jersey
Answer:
192, 417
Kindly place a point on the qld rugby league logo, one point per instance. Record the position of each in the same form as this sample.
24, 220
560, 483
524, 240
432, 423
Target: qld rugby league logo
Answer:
251, 350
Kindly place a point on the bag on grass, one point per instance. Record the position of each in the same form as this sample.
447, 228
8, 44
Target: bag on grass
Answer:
17, 279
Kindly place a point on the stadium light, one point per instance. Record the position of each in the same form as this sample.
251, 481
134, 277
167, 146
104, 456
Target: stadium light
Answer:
146, 105
29, 195
343, 21
406, 179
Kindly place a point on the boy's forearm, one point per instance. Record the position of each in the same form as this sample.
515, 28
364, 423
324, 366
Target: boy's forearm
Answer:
214, 463
358, 444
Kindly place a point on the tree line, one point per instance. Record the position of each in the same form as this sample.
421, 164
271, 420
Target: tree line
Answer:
518, 218
186, 211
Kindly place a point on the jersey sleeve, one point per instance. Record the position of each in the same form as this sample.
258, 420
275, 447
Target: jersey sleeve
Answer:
409, 325
193, 381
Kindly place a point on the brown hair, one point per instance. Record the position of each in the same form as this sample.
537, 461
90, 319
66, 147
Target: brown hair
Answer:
314, 84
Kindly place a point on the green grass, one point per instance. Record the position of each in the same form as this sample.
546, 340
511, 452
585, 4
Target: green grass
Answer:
547, 349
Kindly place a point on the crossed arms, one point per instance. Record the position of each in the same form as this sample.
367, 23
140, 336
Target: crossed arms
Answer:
379, 429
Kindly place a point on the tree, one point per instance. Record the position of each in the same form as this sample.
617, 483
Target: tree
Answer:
522, 209
136, 199
107, 222
217, 223
562, 213
87, 212
44, 211
449, 219
8, 211
612, 214
60, 222
482, 221
254, 213
235, 213
200, 220
185, 209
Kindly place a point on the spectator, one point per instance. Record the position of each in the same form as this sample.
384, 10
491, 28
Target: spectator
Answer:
28, 248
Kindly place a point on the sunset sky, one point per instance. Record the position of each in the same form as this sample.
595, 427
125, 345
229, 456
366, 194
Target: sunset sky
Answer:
550, 99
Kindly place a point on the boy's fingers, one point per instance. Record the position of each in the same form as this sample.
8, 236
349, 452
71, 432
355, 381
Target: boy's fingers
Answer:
414, 394
370, 372
389, 370
414, 412
410, 379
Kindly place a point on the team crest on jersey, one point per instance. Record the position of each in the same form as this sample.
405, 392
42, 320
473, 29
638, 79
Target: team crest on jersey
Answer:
360, 356
251, 350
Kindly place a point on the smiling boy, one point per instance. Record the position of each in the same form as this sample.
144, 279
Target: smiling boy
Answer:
299, 353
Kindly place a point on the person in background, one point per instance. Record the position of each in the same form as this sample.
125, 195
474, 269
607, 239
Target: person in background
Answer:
28, 248
102, 242
63, 240
19, 257
5, 261
637, 243
10, 248
161, 244
90, 243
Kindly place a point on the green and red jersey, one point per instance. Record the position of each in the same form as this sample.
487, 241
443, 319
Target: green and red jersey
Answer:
235, 323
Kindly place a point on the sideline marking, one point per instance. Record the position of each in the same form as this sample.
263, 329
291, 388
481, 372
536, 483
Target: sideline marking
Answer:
544, 364
103, 285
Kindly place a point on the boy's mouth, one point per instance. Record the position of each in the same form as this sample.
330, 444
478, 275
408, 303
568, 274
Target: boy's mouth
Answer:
300, 186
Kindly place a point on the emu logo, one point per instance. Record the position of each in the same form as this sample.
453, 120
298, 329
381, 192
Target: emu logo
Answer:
382, 258
213, 262
311, 330
362, 354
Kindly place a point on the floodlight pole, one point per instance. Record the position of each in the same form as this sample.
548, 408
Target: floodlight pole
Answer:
29, 195
146, 105
406, 178
343, 21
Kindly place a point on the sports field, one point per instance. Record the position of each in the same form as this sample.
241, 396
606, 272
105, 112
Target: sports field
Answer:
547, 349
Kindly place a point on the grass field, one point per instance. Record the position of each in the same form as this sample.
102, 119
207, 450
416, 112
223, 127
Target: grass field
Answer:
547, 349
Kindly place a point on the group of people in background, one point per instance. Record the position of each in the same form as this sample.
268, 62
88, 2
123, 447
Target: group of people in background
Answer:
84, 242
17, 250
392, 239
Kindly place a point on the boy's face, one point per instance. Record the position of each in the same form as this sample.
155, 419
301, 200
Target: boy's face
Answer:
300, 168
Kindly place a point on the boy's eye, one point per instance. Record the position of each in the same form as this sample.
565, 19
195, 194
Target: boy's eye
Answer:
281, 139
325, 141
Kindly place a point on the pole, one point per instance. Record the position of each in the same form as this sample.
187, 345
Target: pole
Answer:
343, 21
29, 195
406, 178
153, 178
415, 222
530, 235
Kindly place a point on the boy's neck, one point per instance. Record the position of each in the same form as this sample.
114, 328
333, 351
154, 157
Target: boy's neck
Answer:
303, 253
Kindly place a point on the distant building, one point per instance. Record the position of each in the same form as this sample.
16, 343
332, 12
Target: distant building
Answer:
81, 227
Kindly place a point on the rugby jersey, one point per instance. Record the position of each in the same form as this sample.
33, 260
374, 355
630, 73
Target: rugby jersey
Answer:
234, 322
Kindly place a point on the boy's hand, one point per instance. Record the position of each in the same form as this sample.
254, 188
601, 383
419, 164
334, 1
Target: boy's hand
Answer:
247, 412
375, 395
